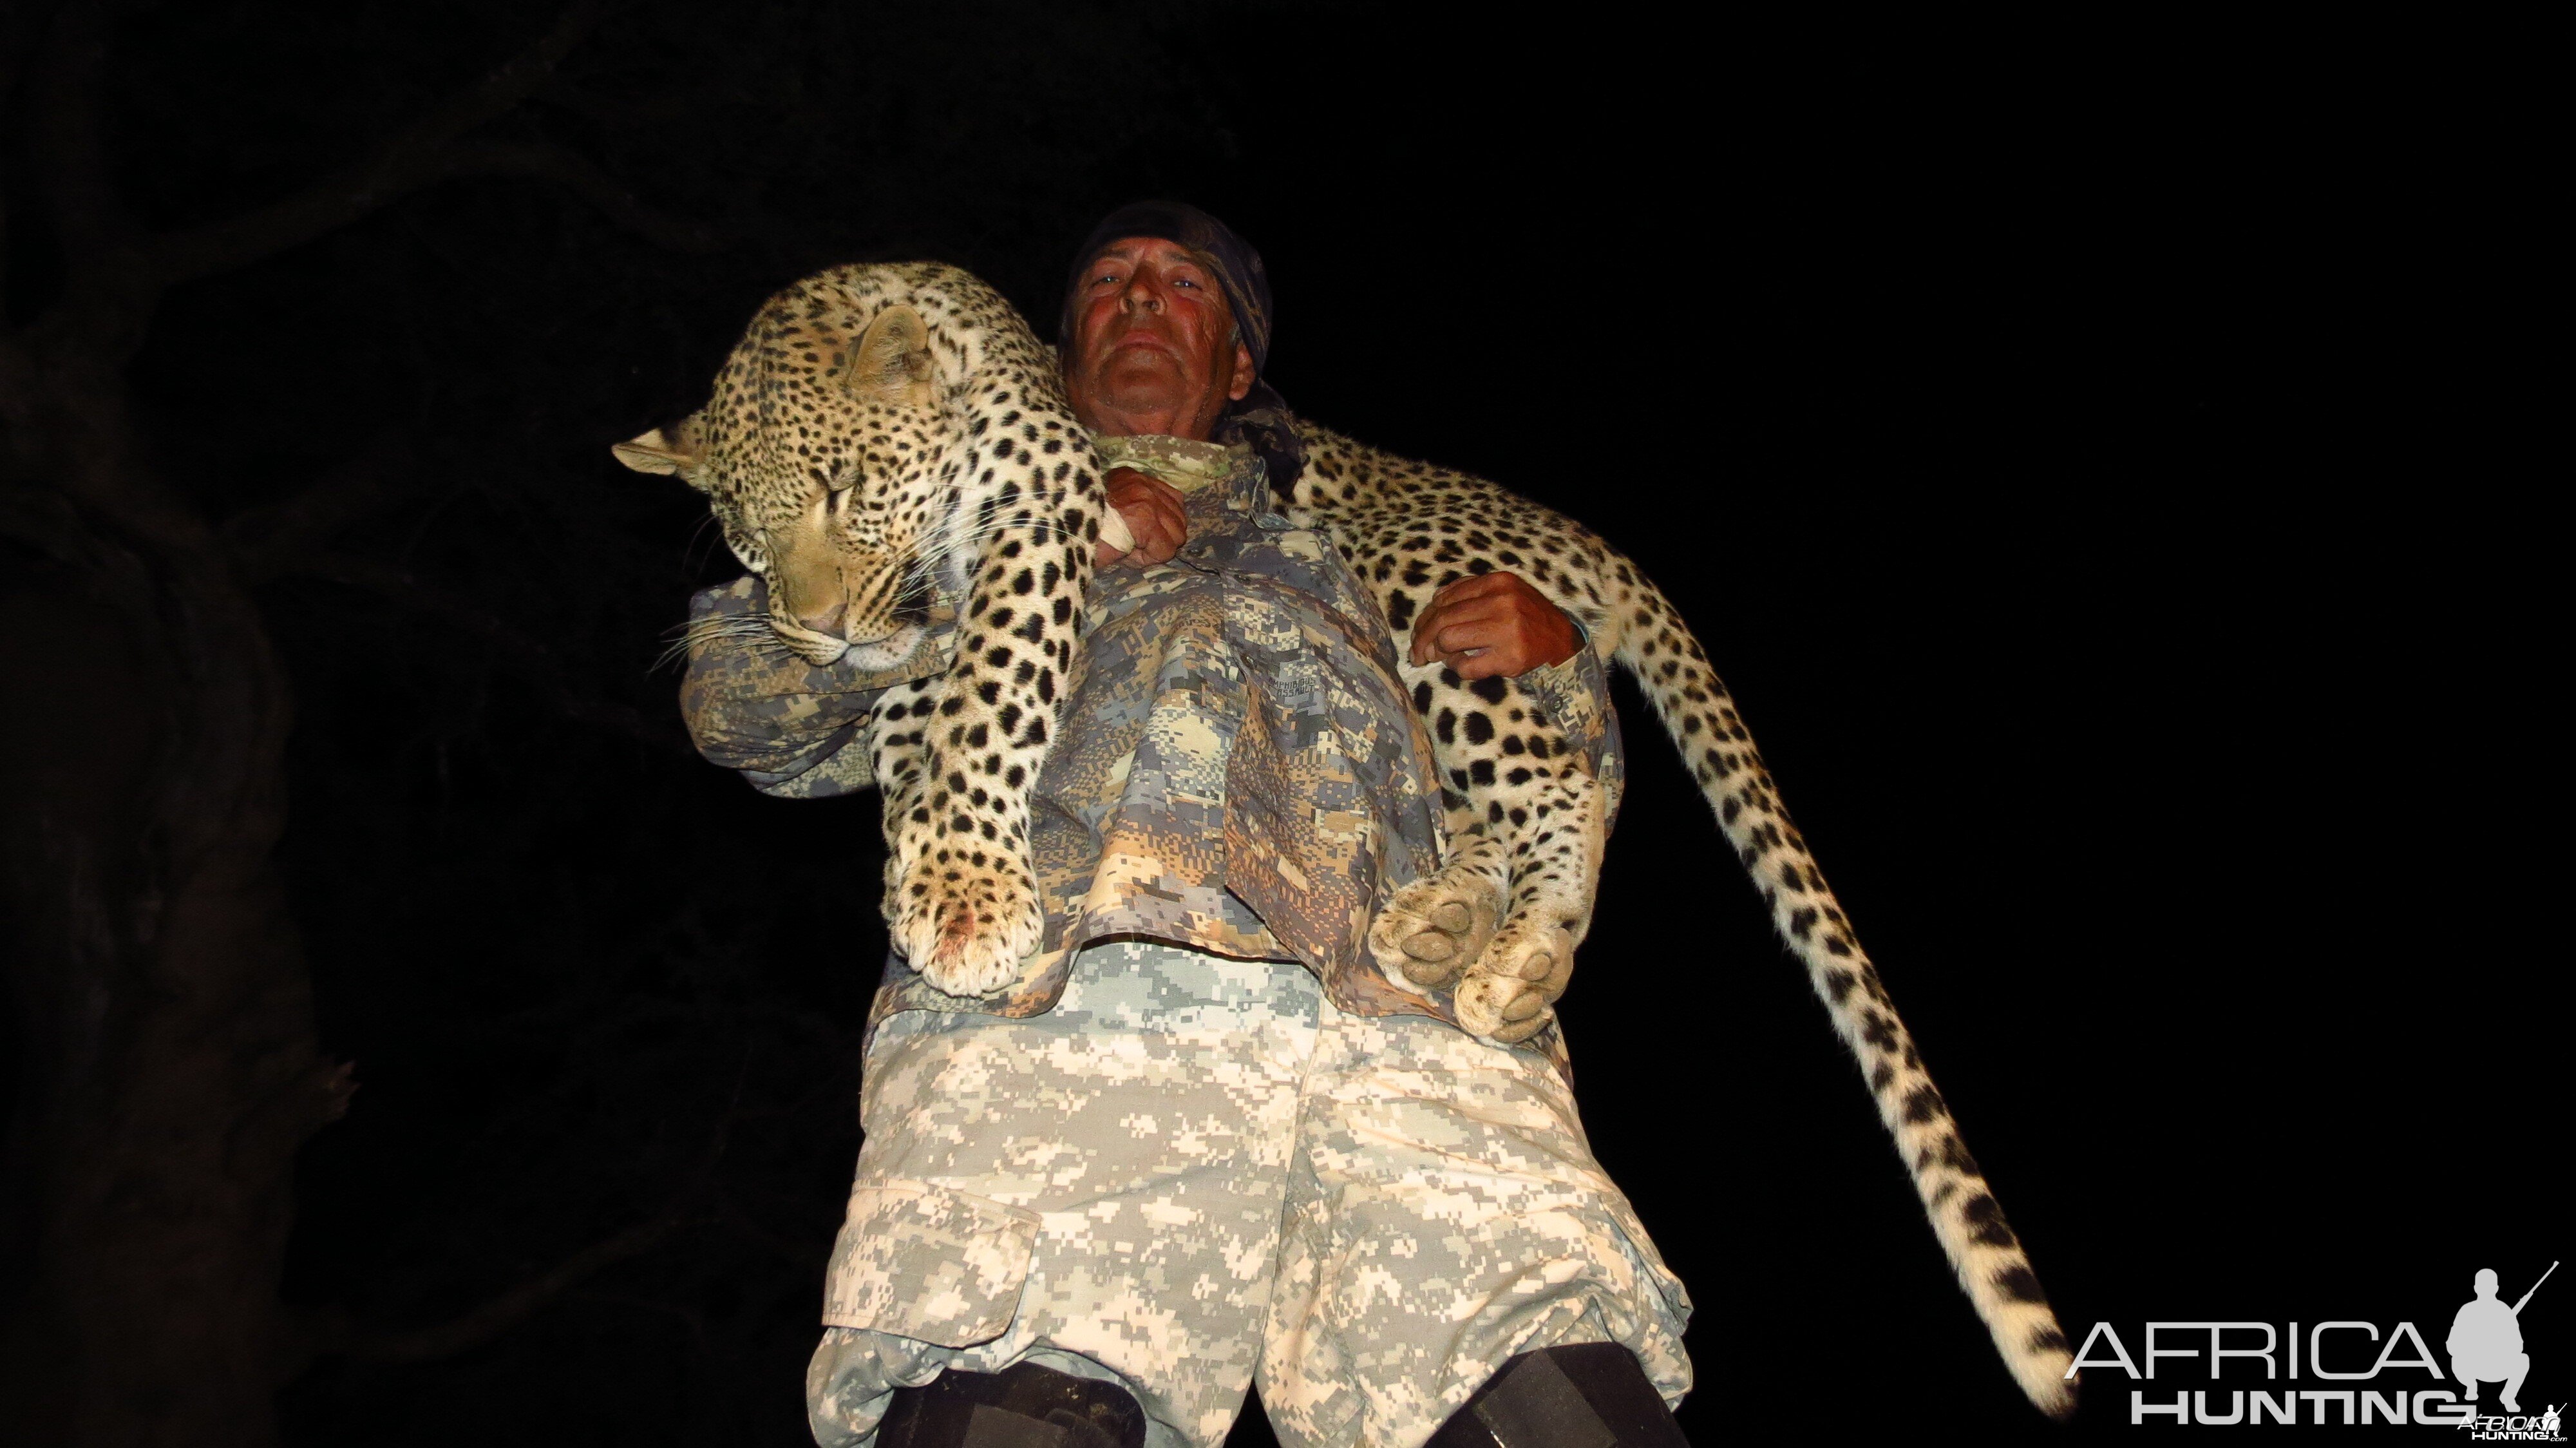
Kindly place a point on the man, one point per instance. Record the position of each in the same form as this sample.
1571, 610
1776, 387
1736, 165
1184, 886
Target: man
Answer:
1204, 1140
2486, 1342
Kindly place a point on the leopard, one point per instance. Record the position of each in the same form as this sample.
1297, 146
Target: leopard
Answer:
1498, 922
889, 441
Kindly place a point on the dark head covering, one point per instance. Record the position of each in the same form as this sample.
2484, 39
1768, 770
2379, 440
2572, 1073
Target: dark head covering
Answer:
1261, 416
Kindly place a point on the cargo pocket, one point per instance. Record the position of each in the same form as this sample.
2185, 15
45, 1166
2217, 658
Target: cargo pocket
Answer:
929, 1263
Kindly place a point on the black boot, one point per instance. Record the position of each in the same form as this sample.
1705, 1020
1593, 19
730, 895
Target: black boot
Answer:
1580, 1395
1026, 1405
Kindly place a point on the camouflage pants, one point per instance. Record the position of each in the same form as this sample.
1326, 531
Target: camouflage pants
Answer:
1195, 1171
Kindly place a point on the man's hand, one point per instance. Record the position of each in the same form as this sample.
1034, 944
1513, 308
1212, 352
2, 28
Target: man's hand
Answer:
1153, 512
1492, 623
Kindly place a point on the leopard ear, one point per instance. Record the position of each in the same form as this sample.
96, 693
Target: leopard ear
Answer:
892, 361
676, 451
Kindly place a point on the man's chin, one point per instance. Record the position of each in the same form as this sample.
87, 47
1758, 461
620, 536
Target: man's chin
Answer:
1150, 393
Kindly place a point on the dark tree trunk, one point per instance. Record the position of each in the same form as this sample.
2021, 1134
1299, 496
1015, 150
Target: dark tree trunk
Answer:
168, 1067
160, 1008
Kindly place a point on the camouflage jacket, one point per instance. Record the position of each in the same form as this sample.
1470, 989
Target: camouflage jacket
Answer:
1238, 770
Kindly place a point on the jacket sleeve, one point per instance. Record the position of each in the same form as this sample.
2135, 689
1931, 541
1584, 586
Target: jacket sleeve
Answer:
791, 728
1576, 697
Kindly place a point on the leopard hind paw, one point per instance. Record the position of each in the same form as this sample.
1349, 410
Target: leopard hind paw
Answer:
1509, 994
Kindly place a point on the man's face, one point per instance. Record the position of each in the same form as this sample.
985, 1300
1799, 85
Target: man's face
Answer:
1153, 346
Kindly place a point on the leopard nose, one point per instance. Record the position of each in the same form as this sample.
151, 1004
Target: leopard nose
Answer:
825, 620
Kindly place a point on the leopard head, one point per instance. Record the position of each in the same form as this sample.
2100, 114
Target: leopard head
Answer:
820, 457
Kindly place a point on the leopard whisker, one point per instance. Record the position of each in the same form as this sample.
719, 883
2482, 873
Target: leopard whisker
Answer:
689, 637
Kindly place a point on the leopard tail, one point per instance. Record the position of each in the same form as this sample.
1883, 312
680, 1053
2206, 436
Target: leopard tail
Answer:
1701, 717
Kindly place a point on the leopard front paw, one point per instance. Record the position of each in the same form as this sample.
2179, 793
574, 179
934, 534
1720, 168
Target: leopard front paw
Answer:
1509, 994
966, 919
1434, 927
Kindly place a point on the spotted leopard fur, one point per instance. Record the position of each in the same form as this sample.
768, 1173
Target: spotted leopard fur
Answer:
1502, 916
885, 434
882, 437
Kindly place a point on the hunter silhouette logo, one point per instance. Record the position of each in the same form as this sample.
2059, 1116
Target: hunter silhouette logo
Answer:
2486, 1341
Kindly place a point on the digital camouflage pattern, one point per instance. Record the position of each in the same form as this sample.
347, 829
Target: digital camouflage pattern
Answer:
1238, 771
1193, 1172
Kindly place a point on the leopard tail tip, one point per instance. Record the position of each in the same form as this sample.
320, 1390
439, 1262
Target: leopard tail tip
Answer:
2050, 1384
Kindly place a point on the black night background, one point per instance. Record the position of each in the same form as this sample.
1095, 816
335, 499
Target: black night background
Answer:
2096, 460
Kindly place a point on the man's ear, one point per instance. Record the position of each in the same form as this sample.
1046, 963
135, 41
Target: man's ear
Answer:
1243, 377
676, 450
892, 361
